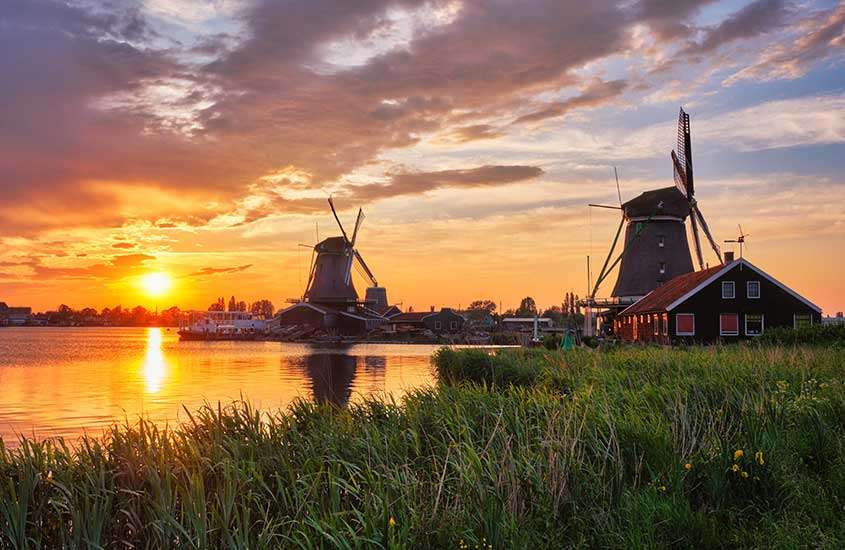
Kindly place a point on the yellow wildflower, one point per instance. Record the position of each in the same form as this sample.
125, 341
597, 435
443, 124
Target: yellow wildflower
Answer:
735, 468
744, 474
738, 454
662, 488
758, 456
688, 466
391, 522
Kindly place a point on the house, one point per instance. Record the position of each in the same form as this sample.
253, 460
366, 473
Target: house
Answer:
727, 302
14, 316
526, 324
352, 320
443, 321
839, 319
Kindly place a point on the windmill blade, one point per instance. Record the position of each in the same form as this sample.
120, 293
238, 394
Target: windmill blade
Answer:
347, 276
358, 223
706, 229
618, 191
366, 269
697, 240
334, 212
680, 175
310, 272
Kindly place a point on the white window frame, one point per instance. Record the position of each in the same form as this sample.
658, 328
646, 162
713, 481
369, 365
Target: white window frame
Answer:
679, 333
438, 325
762, 324
748, 290
732, 286
661, 241
662, 267
725, 333
795, 318
453, 325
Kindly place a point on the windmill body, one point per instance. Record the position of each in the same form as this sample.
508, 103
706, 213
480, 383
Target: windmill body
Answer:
655, 245
329, 283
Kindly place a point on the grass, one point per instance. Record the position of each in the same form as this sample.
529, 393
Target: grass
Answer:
625, 448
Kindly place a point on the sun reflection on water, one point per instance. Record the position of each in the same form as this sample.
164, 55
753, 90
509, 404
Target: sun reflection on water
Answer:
155, 365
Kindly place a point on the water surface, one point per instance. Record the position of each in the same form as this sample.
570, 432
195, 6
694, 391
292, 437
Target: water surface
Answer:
66, 381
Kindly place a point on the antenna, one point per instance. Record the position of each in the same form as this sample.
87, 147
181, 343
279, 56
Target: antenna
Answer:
618, 191
740, 240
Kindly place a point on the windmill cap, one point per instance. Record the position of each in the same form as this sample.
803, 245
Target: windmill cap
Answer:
335, 245
667, 201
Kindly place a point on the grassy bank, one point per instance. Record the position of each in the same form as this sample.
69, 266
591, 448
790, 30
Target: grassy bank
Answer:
634, 447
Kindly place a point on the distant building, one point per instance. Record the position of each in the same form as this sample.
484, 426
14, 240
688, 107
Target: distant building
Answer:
838, 319
14, 316
444, 321
479, 319
726, 302
526, 324
350, 321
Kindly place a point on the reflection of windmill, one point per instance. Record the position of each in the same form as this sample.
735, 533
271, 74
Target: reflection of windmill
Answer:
740, 239
656, 248
330, 277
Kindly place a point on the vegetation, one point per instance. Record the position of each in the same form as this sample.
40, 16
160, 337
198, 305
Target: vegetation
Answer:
828, 335
716, 447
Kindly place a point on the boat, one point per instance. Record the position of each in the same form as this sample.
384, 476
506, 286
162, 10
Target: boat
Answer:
221, 325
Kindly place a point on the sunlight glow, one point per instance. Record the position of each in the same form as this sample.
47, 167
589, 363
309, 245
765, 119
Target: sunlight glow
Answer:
155, 365
155, 284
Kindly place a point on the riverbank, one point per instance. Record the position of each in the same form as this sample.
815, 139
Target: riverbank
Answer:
704, 447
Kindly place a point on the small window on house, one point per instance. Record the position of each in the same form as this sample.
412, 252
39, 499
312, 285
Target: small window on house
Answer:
802, 320
453, 325
685, 324
728, 324
753, 324
752, 289
665, 324
728, 290
438, 325
662, 268
661, 241
656, 320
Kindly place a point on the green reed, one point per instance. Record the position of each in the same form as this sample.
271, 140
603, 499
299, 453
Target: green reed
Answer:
635, 447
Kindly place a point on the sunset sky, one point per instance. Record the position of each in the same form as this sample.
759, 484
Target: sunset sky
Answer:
201, 138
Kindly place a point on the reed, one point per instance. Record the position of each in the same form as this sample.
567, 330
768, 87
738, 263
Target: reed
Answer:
625, 448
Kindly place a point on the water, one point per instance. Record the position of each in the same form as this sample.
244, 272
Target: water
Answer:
69, 381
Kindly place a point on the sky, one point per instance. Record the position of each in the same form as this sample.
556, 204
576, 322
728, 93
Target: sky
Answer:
201, 139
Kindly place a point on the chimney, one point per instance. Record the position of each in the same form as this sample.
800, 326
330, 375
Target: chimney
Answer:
729, 256
432, 309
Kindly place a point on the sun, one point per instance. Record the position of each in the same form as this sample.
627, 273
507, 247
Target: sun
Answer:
156, 284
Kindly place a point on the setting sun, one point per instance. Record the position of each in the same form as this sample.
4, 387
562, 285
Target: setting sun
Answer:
155, 284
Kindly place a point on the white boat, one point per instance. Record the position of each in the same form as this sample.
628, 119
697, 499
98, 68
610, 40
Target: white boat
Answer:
221, 325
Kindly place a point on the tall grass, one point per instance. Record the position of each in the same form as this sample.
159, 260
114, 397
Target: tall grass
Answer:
630, 448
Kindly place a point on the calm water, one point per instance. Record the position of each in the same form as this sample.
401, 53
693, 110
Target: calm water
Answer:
66, 381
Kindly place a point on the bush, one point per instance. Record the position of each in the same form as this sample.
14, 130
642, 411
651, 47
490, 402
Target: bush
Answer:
827, 335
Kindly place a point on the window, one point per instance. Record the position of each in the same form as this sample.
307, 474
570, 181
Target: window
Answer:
438, 325
685, 324
661, 241
728, 290
656, 320
728, 324
662, 268
453, 325
665, 324
752, 289
753, 324
802, 320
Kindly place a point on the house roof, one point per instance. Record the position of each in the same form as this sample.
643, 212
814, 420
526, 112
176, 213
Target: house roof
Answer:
678, 290
410, 317
661, 297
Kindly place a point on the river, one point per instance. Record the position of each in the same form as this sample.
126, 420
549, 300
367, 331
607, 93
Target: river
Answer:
69, 381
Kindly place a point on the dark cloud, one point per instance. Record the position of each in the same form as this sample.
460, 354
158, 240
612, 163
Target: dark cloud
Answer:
421, 182
756, 18
596, 94
205, 271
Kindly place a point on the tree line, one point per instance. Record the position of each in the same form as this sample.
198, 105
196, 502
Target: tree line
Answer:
566, 313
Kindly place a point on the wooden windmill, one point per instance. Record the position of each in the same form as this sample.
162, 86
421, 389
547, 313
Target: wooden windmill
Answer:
330, 278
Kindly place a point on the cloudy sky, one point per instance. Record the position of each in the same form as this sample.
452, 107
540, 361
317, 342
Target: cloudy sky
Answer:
201, 138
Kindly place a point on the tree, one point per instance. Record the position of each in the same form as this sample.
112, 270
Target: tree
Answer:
262, 308
240, 306
219, 305
527, 307
232, 304
555, 313
485, 305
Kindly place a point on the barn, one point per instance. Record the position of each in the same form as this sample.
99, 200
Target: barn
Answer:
346, 322
728, 302
443, 321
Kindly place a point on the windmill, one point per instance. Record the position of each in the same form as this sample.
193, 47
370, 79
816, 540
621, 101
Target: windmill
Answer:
330, 276
655, 247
